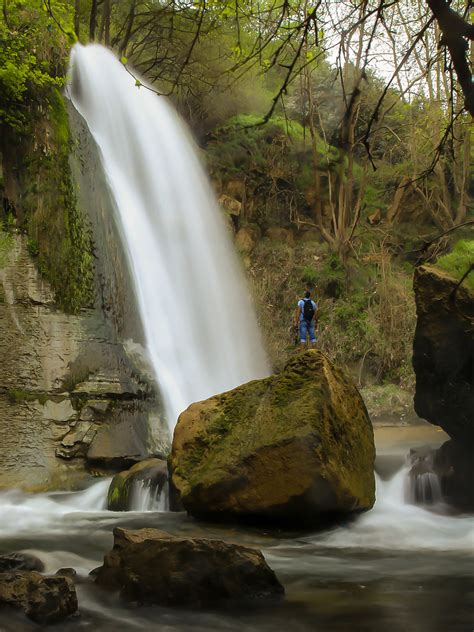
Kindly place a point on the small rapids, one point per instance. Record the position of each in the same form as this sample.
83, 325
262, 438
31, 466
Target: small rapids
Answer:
396, 522
399, 566
148, 497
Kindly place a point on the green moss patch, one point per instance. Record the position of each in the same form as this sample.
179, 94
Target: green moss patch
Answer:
457, 262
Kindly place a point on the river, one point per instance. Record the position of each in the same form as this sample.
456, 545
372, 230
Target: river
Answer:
397, 567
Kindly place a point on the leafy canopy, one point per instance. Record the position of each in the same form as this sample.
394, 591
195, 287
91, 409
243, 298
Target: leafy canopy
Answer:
34, 39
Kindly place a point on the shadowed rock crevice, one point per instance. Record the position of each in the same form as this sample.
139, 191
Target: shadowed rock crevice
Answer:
443, 359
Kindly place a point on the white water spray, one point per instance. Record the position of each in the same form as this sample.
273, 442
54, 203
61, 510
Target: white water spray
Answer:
200, 328
145, 496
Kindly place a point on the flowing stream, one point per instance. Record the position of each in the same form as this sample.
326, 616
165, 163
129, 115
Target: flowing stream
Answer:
200, 328
397, 567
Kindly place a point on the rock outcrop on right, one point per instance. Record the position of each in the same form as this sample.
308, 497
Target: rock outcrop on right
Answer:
295, 447
443, 359
443, 353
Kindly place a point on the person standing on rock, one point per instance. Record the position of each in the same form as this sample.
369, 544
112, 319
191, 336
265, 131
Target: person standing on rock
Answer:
305, 319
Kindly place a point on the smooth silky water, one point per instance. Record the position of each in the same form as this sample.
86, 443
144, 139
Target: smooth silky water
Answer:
201, 332
397, 567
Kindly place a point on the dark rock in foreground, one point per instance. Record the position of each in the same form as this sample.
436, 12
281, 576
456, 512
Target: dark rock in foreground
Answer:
297, 446
153, 567
43, 599
443, 353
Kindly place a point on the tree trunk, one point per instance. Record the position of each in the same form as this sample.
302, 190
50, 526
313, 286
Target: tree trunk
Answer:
77, 18
393, 211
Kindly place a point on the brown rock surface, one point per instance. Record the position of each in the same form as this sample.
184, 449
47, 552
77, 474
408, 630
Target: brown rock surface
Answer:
247, 238
281, 234
295, 446
151, 566
59, 374
43, 599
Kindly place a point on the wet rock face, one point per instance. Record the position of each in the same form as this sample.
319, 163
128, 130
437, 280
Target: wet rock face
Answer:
443, 353
444, 475
20, 562
43, 599
70, 397
153, 567
297, 446
124, 486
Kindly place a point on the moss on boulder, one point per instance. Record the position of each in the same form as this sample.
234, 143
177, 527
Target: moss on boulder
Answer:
297, 445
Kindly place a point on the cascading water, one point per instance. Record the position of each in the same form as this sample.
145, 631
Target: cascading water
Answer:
147, 496
201, 332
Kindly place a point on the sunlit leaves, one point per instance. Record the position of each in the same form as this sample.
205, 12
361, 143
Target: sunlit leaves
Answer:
32, 52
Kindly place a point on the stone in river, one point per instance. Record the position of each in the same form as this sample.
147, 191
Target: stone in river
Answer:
43, 599
149, 566
297, 446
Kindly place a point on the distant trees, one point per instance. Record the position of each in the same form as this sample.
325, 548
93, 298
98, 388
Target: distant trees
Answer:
372, 82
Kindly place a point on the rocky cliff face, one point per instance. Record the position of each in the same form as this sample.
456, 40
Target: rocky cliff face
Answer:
71, 400
443, 359
76, 394
443, 353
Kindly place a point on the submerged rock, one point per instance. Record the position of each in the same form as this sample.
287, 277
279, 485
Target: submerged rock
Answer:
43, 599
295, 446
443, 353
153, 567
20, 562
124, 486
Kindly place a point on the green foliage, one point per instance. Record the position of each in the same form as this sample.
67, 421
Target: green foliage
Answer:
33, 247
244, 143
309, 275
333, 276
32, 55
366, 309
457, 262
6, 243
59, 117
20, 396
34, 42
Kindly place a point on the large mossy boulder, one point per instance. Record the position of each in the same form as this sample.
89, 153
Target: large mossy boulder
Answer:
297, 446
443, 353
149, 566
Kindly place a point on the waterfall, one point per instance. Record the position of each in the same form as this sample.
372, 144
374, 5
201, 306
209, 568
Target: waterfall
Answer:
147, 496
200, 328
